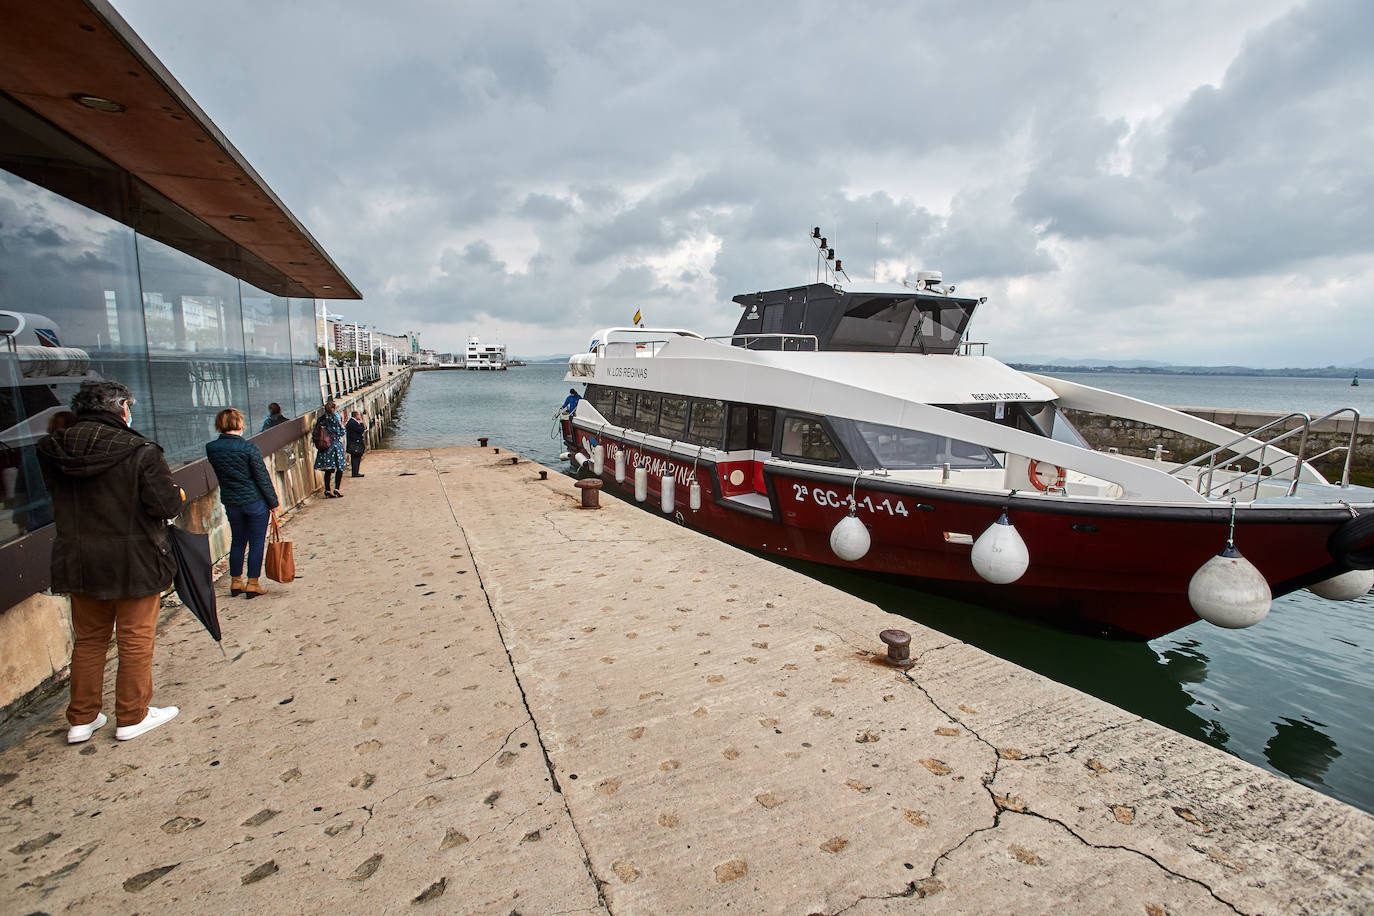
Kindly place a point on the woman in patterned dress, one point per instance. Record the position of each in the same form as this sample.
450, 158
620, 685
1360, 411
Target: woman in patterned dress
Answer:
331, 460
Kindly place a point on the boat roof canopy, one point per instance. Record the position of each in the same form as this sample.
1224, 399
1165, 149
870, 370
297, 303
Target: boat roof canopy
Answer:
903, 321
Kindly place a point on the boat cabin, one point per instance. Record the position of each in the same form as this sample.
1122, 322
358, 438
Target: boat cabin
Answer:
825, 317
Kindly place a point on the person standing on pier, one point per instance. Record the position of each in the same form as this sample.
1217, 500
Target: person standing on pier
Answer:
249, 498
357, 441
112, 493
329, 443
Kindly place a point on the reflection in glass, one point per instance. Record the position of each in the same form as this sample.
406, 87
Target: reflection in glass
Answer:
195, 346
267, 345
69, 311
305, 357
1301, 750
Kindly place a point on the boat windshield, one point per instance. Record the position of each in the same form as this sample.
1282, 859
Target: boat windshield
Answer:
1041, 418
907, 324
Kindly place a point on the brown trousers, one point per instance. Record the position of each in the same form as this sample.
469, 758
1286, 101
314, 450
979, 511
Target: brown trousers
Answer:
134, 622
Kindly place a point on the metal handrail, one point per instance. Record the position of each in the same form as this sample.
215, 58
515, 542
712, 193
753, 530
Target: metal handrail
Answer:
782, 343
1299, 461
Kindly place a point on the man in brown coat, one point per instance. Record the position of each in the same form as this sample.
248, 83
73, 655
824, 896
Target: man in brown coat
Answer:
112, 493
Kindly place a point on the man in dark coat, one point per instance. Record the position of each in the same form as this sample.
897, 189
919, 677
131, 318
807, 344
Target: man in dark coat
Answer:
356, 432
112, 493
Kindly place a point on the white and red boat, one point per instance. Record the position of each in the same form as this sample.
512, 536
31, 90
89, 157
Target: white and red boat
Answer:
858, 428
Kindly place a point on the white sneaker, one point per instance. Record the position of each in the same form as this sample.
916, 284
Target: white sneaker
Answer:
78, 733
156, 716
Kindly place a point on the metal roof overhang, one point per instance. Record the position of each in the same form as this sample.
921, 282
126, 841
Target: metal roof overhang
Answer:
191, 188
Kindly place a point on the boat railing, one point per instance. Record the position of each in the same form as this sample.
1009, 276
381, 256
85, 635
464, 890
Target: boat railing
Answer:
792, 342
966, 348
1206, 480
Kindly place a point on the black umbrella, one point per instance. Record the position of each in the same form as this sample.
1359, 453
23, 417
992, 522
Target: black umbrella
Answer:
193, 577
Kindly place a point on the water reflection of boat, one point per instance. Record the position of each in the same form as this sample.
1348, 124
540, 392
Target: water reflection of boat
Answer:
1301, 750
38, 378
858, 427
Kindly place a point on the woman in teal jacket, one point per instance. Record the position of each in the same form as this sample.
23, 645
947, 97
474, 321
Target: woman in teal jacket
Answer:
249, 499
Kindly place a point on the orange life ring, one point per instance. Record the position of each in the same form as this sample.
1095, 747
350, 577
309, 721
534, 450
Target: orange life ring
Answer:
1033, 471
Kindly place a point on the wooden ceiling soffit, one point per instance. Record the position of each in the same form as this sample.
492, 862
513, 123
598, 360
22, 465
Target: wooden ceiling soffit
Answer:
55, 50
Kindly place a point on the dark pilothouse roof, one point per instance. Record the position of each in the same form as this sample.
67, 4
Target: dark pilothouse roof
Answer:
904, 321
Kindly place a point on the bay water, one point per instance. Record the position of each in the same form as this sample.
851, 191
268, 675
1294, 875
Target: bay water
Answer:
1293, 694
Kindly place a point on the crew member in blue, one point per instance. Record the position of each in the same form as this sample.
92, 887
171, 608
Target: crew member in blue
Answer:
570, 402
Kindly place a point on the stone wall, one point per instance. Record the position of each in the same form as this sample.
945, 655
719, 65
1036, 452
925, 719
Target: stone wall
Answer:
1132, 437
35, 633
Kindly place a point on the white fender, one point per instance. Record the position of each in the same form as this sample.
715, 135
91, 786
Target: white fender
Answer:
1345, 587
641, 484
666, 488
849, 539
599, 459
694, 496
1228, 591
1000, 555
620, 466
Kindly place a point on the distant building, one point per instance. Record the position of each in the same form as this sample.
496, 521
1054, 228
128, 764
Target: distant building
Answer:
483, 357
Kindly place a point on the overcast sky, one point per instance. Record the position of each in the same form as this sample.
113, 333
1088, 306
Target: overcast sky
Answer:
1181, 181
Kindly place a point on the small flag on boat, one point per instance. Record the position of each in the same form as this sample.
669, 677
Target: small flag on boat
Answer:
637, 317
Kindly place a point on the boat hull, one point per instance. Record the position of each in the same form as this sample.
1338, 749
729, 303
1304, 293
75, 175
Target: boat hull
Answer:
1113, 570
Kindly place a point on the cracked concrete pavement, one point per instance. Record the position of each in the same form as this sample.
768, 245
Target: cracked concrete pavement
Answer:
480, 698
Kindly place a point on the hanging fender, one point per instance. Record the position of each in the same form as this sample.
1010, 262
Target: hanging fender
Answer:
1044, 475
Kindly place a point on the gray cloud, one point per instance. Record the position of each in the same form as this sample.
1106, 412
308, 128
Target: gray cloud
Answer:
552, 166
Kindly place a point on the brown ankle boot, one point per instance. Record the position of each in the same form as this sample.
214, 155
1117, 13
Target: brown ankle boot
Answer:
254, 588
235, 586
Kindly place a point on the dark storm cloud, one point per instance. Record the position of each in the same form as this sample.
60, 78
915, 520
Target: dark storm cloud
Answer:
557, 164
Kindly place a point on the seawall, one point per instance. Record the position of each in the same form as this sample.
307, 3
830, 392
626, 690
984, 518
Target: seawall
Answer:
1139, 439
35, 625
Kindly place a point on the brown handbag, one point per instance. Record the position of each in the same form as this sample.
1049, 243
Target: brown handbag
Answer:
279, 563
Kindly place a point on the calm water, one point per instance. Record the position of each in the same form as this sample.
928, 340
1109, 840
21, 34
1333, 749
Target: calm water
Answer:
1292, 694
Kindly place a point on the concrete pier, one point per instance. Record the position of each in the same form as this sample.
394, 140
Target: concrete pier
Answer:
480, 698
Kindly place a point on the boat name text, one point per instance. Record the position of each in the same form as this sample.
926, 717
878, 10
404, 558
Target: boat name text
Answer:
1001, 396
627, 372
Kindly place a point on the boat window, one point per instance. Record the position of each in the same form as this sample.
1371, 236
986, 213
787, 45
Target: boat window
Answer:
763, 428
602, 398
707, 422
738, 437
1048, 420
672, 422
906, 449
805, 438
910, 324
624, 408
646, 413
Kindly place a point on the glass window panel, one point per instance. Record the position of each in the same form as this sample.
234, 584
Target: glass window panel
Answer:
804, 437
739, 428
69, 298
707, 423
625, 408
646, 413
672, 421
763, 428
195, 347
305, 357
267, 351
900, 449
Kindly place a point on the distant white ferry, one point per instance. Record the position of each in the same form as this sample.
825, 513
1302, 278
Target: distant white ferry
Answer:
491, 356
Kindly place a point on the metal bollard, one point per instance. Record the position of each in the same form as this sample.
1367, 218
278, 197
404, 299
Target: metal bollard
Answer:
591, 493
543, 475
496, 451
898, 647
482, 442
515, 459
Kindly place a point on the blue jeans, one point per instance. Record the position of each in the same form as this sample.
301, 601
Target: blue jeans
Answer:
247, 532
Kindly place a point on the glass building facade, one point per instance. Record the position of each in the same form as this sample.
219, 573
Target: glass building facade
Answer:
86, 293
